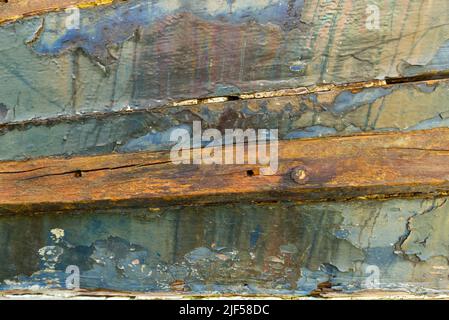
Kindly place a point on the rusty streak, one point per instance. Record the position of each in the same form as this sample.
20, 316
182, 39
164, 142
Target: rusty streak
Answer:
15, 10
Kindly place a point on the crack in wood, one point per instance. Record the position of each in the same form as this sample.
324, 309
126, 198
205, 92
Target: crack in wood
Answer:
78, 172
430, 79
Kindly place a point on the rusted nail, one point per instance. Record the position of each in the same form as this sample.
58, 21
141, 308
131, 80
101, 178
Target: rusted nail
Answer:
300, 175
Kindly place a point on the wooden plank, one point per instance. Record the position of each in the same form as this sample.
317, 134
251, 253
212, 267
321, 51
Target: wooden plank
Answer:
141, 54
330, 111
368, 165
276, 249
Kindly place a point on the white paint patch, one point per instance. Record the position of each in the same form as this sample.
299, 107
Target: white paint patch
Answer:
50, 255
57, 234
260, 4
170, 6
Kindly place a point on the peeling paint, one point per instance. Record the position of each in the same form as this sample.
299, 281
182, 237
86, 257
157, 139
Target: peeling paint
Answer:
298, 248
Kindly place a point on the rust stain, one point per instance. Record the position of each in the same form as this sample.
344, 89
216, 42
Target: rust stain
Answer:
17, 9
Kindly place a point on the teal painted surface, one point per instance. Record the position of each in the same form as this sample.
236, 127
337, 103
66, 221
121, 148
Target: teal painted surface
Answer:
277, 249
141, 54
339, 112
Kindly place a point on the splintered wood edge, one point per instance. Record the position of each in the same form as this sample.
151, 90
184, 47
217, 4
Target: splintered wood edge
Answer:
51, 294
15, 10
366, 166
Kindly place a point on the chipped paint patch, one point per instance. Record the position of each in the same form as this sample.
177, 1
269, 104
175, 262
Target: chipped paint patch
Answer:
57, 234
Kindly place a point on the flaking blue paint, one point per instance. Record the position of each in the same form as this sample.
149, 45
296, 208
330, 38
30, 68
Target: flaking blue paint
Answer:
348, 101
105, 26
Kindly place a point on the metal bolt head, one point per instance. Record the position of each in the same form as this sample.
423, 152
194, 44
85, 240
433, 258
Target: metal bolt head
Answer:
300, 175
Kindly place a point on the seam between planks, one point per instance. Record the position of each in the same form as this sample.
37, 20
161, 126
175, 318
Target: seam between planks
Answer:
429, 79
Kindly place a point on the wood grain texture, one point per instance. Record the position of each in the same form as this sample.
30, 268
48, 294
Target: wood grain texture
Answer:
384, 165
333, 111
113, 85
141, 54
271, 249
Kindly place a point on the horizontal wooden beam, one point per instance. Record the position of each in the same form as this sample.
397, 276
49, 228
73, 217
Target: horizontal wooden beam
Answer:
336, 168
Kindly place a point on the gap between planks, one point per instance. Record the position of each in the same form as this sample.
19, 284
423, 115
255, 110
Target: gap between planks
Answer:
429, 79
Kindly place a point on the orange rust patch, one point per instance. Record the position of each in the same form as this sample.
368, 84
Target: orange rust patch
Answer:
18, 9
383, 165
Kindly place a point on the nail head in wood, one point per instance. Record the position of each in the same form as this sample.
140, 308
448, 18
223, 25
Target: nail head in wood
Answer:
300, 175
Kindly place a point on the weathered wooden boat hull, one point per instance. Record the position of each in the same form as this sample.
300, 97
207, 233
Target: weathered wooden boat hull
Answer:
90, 92
282, 248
